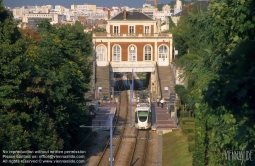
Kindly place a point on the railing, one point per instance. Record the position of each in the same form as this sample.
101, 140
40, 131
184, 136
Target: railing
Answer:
177, 74
131, 34
158, 79
99, 34
164, 34
173, 67
131, 64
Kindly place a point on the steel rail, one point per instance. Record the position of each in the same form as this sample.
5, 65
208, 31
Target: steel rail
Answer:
108, 142
137, 151
115, 127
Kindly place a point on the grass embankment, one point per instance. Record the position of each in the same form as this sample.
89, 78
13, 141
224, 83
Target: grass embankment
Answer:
178, 145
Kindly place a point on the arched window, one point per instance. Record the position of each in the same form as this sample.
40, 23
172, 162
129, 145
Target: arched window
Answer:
116, 53
162, 52
101, 52
147, 53
132, 53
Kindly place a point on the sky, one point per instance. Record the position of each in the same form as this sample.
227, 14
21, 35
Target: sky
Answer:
68, 3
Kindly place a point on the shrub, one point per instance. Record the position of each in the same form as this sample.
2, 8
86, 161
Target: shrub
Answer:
191, 147
188, 122
187, 130
191, 137
184, 114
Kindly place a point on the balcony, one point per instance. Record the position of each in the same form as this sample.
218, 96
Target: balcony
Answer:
105, 34
164, 34
100, 34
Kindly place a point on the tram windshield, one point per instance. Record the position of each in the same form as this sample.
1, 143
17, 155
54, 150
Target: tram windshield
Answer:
142, 115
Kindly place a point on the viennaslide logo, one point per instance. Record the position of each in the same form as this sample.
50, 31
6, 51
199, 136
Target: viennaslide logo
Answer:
239, 155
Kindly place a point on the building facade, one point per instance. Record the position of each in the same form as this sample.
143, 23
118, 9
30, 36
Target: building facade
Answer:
132, 40
32, 19
84, 7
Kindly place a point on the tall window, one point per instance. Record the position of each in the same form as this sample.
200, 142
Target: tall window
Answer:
162, 52
116, 29
132, 53
146, 29
116, 53
147, 53
101, 53
131, 29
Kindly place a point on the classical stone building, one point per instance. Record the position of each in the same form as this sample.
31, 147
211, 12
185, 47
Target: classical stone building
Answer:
132, 41
132, 38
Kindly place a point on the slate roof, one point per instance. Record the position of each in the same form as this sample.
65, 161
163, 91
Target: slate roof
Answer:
201, 4
131, 15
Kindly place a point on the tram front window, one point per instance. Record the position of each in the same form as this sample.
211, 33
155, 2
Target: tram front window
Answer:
142, 115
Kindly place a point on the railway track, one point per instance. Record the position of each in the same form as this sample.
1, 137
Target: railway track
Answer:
140, 148
136, 148
119, 120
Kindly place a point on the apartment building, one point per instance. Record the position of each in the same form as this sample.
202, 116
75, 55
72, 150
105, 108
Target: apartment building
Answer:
84, 7
31, 19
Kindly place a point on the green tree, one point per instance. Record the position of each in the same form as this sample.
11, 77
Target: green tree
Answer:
214, 66
62, 74
234, 93
13, 71
171, 24
43, 78
19, 122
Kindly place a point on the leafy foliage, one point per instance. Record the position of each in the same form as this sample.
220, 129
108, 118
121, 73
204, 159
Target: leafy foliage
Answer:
44, 75
181, 92
171, 23
217, 54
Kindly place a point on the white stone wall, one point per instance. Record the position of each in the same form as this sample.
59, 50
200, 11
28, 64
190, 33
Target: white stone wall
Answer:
177, 72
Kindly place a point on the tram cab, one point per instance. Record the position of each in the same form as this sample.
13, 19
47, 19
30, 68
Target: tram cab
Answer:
143, 117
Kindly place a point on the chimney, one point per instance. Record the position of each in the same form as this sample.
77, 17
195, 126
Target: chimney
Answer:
109, 14
124, 14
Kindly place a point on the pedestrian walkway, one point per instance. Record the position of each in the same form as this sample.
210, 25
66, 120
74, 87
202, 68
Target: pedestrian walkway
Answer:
102, 120
163, 119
